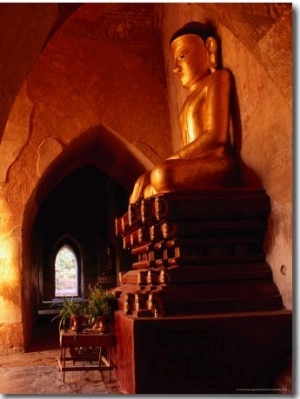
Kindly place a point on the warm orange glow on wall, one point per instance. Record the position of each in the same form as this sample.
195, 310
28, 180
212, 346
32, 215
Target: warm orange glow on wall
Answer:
10, 311
8, 273
10, 289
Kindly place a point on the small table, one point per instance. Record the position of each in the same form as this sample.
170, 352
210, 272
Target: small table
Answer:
86, 339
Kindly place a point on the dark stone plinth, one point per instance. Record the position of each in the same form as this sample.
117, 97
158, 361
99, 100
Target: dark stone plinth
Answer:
221, 353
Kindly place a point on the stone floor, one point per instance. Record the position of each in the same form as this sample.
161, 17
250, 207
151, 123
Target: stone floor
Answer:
45, 380
36, 371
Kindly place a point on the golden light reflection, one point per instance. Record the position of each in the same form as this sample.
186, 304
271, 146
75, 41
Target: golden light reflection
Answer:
8, 273
9, 248
10, 312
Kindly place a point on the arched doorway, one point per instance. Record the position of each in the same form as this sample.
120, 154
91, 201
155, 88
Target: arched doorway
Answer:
75, 225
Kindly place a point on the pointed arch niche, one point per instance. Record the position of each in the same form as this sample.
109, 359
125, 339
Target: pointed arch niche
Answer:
67, 266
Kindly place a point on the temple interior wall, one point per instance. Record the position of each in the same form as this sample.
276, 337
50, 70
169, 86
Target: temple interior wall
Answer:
93, 85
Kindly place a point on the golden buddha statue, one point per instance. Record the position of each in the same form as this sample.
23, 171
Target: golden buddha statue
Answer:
206, 159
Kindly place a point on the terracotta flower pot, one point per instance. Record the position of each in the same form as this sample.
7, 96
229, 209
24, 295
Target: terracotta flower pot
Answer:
78, 323
102, 324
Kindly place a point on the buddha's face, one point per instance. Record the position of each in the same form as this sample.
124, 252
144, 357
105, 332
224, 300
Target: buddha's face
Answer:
190, 56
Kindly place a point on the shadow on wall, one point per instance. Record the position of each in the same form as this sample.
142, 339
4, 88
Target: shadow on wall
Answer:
247, 174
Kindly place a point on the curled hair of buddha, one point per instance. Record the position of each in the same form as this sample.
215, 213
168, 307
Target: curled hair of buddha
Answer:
195, 28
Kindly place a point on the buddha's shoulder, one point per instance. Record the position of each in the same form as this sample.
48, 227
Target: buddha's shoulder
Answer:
221, 76
219, 81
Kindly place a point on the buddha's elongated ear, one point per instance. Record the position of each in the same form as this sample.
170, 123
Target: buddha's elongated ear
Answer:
212, 50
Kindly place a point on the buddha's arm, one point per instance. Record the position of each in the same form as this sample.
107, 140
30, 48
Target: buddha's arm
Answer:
210, 118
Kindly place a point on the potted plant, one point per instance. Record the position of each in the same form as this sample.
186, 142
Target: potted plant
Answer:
75, 312
101, 306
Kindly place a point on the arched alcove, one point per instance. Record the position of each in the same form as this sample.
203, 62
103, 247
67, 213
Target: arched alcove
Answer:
79, 211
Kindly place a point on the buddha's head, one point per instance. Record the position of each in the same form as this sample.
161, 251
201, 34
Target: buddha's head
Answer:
194, 48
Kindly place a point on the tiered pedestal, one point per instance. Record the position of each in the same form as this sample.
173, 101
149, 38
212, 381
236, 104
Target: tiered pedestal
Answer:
197, 252
199, 311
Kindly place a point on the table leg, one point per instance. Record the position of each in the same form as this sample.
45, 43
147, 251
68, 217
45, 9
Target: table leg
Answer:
64, 363
109, 362
100, 355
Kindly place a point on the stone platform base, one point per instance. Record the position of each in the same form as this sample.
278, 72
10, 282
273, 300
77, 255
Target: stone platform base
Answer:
230, 353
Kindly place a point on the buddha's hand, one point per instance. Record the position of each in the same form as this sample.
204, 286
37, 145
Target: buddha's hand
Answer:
174, 156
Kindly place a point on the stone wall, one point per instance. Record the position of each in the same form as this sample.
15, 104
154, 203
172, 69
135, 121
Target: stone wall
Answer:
88, 100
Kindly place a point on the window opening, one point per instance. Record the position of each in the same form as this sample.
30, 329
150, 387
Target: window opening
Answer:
66, 272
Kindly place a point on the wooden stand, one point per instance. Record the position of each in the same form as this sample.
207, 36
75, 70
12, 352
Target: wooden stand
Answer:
76, 343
